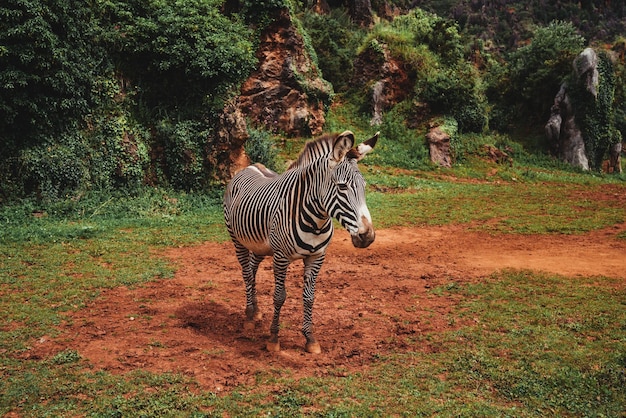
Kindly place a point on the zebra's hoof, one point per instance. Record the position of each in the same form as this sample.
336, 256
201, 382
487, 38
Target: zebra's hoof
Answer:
248, 325
273, 347
313, 348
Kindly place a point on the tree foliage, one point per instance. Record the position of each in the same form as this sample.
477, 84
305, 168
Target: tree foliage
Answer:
49, 68
179, 53
90, 92
527, 82
335, 40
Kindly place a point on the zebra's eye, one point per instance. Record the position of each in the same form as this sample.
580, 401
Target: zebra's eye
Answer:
342, 186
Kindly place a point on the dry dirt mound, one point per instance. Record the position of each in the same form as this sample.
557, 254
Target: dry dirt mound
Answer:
368, 302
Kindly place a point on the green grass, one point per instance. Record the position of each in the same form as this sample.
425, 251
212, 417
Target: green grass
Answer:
530, 344
494, 205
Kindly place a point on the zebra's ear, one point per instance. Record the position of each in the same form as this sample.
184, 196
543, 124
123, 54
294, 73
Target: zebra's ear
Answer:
366, 146
342, 145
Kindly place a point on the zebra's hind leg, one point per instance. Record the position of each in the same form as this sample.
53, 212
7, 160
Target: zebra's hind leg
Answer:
312, 266
280, 272
256, 314
249, 265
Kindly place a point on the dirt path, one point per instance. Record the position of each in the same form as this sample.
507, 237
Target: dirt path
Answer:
368, 302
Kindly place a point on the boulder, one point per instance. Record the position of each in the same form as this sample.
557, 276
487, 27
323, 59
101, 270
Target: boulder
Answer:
586, 70
439, 147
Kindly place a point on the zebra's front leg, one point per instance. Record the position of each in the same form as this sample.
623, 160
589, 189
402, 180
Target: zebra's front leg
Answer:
312, 266
280, 294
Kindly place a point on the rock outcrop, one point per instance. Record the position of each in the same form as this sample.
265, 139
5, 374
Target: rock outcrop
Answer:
564, 134
562, 131
286, 93
390, 82
439, 147
226, 154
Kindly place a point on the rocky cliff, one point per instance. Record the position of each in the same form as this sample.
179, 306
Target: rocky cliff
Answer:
286, 93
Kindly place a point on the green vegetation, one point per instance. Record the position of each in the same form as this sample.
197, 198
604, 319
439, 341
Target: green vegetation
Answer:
112, 95
261, 149
431, 51
536, 71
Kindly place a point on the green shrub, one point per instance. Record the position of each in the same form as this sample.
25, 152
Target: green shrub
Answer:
180, 54
48, 68
472, 116
119, 152
184, 153
261, 12
261, 149
54, 169
455, 91
334, 38
537, 70
401, 146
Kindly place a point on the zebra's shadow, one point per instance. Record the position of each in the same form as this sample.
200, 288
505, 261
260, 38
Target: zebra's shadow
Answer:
217, 322
221, 324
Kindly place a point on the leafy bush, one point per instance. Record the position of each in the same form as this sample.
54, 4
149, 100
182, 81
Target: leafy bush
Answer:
54, 169
184, 153
334, 38
431, 49
261, 12
455, 91
537, 70
402, 147
48, 67
119, 152
261, 149
178, 53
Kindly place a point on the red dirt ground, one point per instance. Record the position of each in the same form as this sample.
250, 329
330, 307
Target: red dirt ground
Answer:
368, 302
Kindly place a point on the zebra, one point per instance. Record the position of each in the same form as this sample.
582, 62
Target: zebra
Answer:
289, 217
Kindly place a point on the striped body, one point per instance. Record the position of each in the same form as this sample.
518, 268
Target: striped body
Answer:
289, 217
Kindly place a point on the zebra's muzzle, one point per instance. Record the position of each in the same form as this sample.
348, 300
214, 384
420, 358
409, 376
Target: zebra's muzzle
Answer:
365, 236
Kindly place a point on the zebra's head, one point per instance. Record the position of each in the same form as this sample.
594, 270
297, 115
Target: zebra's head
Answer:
347, 188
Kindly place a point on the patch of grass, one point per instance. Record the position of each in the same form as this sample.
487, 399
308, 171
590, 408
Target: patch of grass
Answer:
552, 344
492, 206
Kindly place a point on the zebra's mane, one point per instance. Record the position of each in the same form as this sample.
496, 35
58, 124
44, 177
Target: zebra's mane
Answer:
316, 148
313, 150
